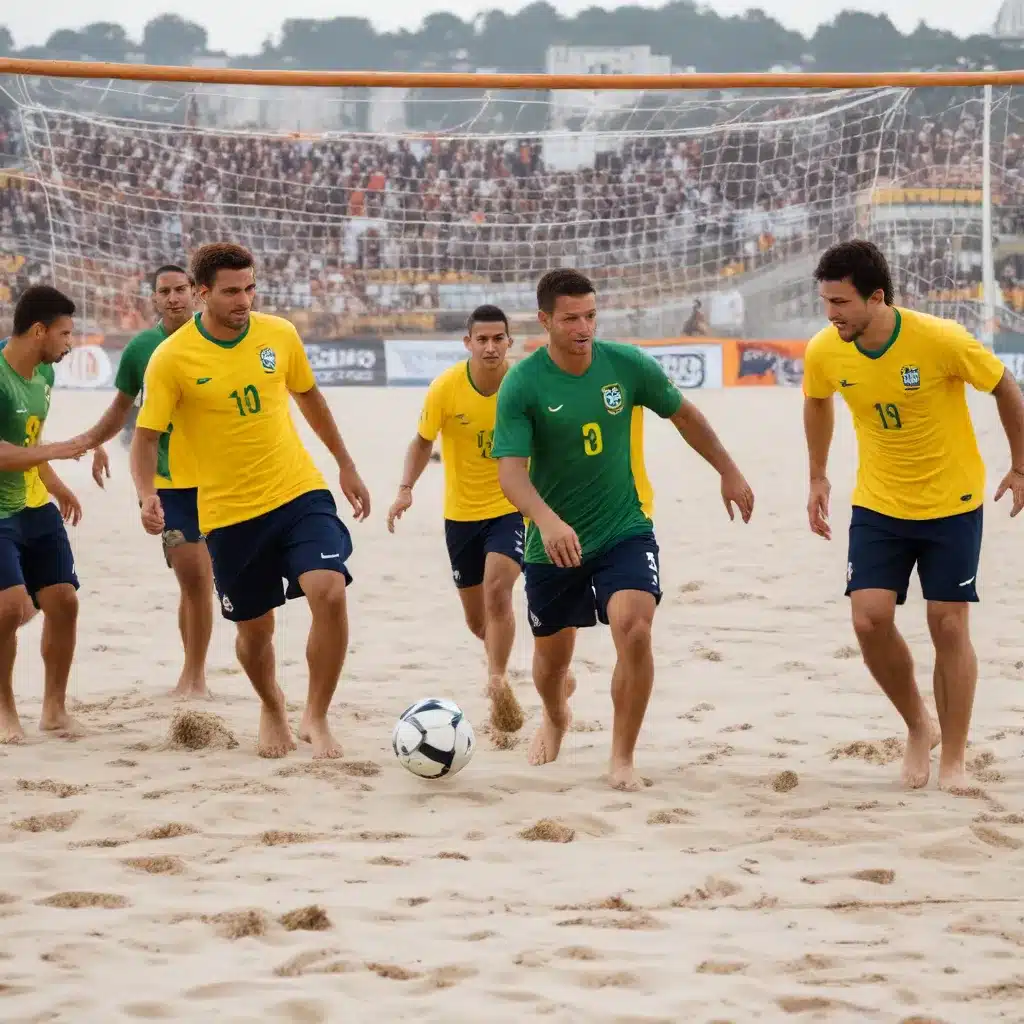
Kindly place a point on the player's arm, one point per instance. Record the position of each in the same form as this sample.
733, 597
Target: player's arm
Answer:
127, 385
656, 392
301, 383
512, 447
162, 395
417, 455
16, 458
969, 360
819, 425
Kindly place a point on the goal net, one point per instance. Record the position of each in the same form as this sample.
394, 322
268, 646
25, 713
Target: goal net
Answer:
396, 211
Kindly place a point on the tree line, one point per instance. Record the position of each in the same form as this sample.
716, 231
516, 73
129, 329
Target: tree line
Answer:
693, 36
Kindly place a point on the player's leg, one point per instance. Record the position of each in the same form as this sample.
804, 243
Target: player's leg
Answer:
948, 569
315, 548
13, 597
881, 556
627, 584
465, 544
503, 545
48, 564
559, 601
187, 556
247, 574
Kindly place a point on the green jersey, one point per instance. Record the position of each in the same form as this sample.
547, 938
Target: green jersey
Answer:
576, 430
24, 405
174, 464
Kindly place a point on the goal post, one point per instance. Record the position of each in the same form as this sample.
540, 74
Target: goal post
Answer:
393, 203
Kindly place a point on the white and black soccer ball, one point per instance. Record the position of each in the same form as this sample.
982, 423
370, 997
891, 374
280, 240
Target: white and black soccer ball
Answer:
433, 738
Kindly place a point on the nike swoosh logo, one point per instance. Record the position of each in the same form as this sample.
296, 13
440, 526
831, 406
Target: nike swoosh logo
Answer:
204, 380
966, 582
556, 408
322, 555
847, 383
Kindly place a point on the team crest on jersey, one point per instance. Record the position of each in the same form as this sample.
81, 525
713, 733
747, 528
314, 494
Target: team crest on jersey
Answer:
911, 377
268, 360
612, 395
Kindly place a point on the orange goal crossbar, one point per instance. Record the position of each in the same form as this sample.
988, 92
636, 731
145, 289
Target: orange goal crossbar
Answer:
461, 80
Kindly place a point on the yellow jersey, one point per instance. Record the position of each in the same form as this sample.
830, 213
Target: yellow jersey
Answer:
464, 418
918, 457
230, 399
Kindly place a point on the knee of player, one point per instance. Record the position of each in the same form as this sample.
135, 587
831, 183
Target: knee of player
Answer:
497, 597
870, 620
634, 632
59, 603
12, 610
328, 598
947, 623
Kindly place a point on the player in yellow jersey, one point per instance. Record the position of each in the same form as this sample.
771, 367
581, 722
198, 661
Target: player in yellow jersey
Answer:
483, 531
920, 485
183, 545
225, 380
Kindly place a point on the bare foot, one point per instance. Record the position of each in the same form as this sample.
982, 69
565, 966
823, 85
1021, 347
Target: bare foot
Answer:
953, 777
11, 730
917, 757
275, 734
60, 722
506, 711
547, 740
191, 689
623, 776
318, 733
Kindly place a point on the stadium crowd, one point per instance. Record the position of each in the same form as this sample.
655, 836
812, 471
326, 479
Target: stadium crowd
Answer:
353, 227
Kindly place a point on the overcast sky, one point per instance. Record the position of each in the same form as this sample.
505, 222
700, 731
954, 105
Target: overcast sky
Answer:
241, 28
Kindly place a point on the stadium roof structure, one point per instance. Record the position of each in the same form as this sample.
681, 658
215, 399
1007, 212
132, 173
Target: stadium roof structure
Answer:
1010, 20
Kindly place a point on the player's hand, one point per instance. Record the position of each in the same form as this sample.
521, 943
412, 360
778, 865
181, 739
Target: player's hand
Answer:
736, 491
355, 491
401, 504
73, 448
817, 508
153, 515
1014, 483
69, 505
561, 544
100, 465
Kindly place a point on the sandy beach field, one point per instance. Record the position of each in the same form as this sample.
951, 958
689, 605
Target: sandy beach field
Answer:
773, 870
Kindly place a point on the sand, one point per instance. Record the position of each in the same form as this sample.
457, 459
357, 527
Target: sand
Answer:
772, 870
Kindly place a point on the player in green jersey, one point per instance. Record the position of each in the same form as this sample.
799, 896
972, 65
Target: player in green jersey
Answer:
562, 438
176, 480
36, 561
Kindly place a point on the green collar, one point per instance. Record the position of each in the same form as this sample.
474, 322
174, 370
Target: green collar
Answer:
879, 352
209, 337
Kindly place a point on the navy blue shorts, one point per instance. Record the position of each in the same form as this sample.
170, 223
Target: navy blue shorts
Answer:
253, 558
35, 551
558, 598
181, 517
469, 544
884, 550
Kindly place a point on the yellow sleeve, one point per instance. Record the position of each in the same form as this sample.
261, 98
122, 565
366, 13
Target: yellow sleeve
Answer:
968, 359
816, 382
298, 375
432, 415
161, 392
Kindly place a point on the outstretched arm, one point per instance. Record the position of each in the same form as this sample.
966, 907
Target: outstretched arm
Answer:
15, 458
108, 425
698, 433
318, 415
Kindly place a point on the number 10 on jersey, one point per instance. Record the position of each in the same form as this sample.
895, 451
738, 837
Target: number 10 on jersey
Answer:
248, 402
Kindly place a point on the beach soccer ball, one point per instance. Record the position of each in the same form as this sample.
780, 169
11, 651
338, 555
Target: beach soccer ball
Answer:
433, 738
